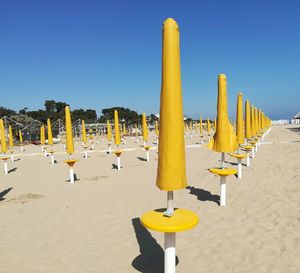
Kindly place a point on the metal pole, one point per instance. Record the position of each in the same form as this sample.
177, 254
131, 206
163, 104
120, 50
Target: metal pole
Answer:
222, 191
239, 168
71, 175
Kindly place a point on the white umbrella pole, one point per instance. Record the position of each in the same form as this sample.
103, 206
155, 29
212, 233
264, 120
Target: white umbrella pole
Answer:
85, 154
5, 167
170, 238
119, 163
253, 152
222, 191
12, 158
52, 159
148, 158
22, 149
248, 161
71, 175
239, 168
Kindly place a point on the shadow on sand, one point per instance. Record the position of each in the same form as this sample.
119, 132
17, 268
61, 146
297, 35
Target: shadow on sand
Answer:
204, 195
151, 259
3, 193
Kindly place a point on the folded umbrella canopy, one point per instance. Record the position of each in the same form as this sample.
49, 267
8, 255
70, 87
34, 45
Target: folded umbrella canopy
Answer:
144, 127
3, 137
69, 134
224, 139
248, 132
108, 127
240, 133
83, 132
117, 128
50, 138
11, 139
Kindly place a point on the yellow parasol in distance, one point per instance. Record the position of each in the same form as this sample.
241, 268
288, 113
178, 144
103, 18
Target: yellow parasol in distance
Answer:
11, 139
256, 120
252, 121
42, 135
171, 172
200, 125
224, 139
248, 132
83, 132
3, 138
156, 129
50, 138
144, 127
124, 129
69, 134
117, 128
20, 137
108, 127
240, 133
208, 126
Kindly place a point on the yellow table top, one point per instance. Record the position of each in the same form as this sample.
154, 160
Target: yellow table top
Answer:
252, 142
239, 156
259, 135
248, 147
4, 158
71, 162
181, 220
223, 172
147, 147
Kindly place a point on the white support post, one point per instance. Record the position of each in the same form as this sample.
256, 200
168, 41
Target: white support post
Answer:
222, 160
239, 168
170, 252
12, 158
148, 158
5, 167
253, 152
52, 159
222, 191
22, 149
256, 147
71, 175
248, 161
119, 163
145, 143
109, 148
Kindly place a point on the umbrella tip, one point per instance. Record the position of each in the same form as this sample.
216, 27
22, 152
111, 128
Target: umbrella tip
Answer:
170, 22
222, 76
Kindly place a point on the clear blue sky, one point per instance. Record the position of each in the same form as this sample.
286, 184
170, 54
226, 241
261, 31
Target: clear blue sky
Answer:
99, 54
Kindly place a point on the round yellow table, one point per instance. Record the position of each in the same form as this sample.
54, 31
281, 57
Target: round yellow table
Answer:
239, 158
118, 154
71, 163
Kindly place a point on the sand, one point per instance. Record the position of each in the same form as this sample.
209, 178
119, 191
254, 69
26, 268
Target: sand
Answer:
49, 225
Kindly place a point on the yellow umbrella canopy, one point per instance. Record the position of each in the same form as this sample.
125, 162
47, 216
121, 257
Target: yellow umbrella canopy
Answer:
208, 126
83, 132
224, 139
91, 135
108, 127
252, 121
171, 172
117, 128
3, 137
144, 127
69, 134
124, 129
20, 136
49, 128
248, 131
156, 129
240, 133
200, 125
260, 119
11, 139
42, 135
215, 124
256, 120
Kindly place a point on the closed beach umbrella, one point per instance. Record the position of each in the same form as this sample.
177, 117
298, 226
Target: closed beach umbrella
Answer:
69, 134
117, 128
239, 120
83, 132
252, 121
201, 129
144, 127
11, 139
208, 126
42, 135
3, 138
50, 138
248, 132
224, 139
156, 129
20, 136
171, 170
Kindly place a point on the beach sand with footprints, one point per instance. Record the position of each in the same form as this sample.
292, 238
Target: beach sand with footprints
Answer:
49, 225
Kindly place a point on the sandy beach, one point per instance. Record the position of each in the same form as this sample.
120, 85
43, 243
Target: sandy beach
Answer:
49, 225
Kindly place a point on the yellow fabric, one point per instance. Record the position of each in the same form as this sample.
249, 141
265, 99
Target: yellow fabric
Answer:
69, 133
224, 139
252, 121
117, 128
3, 138
50, 138
42, 135
171, 170
248, 132
181, 220
144, 127
215, 124
20, 136
91, 135
11, 139
201, 129
208, 126
124, 130
239, 120
156, 129
83, 132
256, 121
223, 172
108, 127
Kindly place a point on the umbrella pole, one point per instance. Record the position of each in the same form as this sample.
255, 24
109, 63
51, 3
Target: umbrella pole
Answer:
239, 168
170, 238
222, 160
118, 163
222, 191
71, 175
5, 167
248, 161
52, 159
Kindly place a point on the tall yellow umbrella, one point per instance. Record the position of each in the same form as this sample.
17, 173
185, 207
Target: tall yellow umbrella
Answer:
224, 139
156, 129
215, 124
124, 129
20, 137
252, 121
42, 135
171, 172
145, 129
117, 128
49, 129
3, 137
201, 126
11, 139
208, 127
83, 132
108, 128
248, 132
69, 133
239, 120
